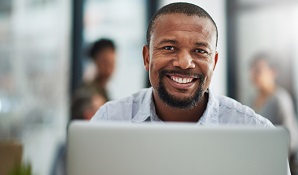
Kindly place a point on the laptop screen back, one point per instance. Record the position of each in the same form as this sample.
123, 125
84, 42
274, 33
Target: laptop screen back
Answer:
175, 149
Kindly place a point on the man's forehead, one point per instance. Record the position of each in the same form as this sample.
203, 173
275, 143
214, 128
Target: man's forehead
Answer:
167, 23
180, 19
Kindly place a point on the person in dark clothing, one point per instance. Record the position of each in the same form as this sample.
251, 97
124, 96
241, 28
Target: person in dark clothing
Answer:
103, 54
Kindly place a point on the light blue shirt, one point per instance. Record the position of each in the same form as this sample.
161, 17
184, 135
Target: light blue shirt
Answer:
140, 107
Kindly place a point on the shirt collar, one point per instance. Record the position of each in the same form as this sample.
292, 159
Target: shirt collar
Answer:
210, 115
147, 110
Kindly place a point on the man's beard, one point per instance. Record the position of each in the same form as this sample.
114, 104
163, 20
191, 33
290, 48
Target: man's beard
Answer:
186, 103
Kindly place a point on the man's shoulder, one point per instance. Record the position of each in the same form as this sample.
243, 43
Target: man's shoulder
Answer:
227, 102
233, 112
129, 100
123, 109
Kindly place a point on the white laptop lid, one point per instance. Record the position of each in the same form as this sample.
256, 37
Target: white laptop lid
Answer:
175, 149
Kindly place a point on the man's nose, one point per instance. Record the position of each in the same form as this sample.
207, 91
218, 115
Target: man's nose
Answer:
184, 60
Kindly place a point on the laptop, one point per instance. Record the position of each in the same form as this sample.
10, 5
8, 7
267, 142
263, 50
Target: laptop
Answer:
175, 149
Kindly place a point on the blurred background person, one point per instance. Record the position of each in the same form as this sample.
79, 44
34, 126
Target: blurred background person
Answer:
272, 101
93, 93
103, 55
85, 103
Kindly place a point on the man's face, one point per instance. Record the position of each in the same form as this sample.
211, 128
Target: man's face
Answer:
181, 58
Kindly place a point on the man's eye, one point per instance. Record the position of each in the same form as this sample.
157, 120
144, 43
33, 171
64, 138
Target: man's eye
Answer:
201, 51
169, 48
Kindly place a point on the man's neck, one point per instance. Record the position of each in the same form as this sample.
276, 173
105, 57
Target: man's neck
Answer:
171, 114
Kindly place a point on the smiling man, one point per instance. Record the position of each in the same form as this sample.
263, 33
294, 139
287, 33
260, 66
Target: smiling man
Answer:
180, 56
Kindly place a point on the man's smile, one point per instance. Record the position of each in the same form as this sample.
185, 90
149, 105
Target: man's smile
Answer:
181, 82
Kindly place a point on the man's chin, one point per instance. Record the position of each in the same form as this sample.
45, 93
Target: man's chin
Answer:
178, 101
181, 98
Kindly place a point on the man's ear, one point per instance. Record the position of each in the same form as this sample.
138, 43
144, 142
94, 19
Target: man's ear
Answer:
215, 60
146, 57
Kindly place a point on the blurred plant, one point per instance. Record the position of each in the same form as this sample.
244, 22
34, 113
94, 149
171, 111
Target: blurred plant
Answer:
23, 169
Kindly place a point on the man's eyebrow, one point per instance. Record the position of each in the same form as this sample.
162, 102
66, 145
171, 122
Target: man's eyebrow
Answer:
203, 44
168, 41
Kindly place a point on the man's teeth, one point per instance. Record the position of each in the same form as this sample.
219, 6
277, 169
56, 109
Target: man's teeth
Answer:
182, 80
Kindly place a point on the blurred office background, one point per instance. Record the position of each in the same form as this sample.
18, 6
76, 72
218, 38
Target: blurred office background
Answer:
42, 58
